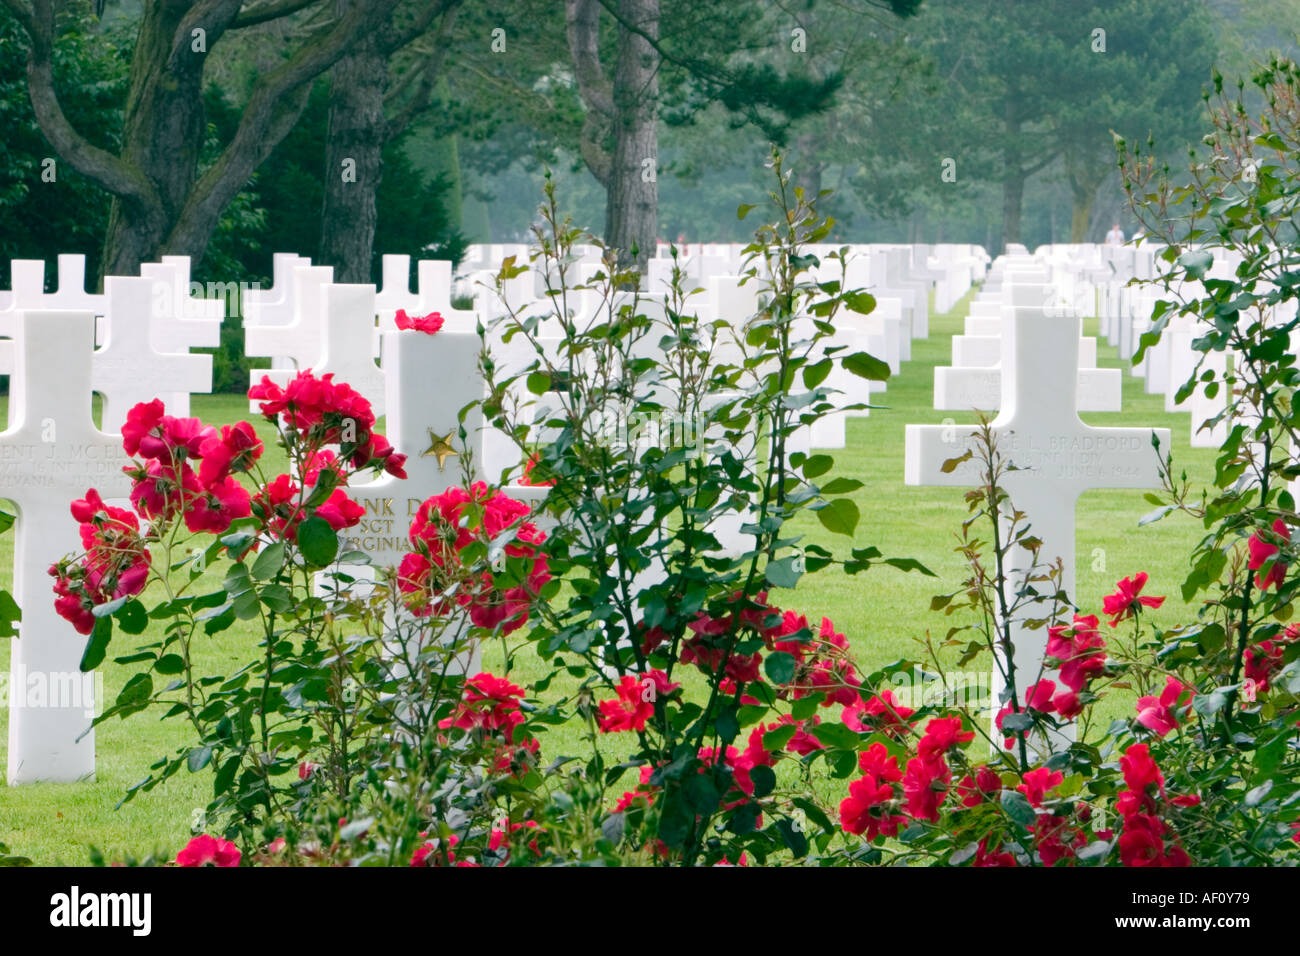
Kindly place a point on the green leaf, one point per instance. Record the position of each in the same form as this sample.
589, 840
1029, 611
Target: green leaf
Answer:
538, 382
817, 465
1257, 795
278, 598
97, 646
836, 735
764, 780
245, 607
744, 209
867, 366
775, 740
318, 542
199, 758
169, 664
794, 837
10, 613
135, 691
840, 486
132, 617
860, 302
839, 516
701, 794
814, 375
780, 667
1196, 262
1207, 705
269, 562
356, 828
727, 725
910, 564
1017, 808
783, 573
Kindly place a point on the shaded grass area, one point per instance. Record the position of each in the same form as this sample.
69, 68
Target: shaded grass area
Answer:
884, 612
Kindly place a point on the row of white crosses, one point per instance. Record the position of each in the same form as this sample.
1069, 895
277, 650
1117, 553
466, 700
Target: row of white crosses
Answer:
148, 325
973, 381
52, 452
1056, 455
1125, 308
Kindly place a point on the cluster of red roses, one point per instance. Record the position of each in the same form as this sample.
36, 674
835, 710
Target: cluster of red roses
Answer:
205, 850
428, 324
490, 706
188, 470
115, 563
872, 806
432, 852
1265, 559
1146, 839
1078, 650
165, 483
822, 663
439, 533
319, 411
875, 807
1265, 659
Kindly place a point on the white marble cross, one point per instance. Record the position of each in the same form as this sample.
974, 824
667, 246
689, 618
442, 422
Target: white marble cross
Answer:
72, 294
197, 321
977, 384
429, 379
49, 457
274, 306
1059, 457
128, 369
346, 332
297, 342
27, 291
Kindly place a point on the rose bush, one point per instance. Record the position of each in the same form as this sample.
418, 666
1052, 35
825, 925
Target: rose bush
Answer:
718, 724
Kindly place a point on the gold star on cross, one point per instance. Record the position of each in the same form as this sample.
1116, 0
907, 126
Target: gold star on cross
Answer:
440, 448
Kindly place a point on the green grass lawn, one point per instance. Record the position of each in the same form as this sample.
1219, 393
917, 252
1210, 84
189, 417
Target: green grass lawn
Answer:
884, 612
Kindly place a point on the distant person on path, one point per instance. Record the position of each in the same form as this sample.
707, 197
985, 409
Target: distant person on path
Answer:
1116, 236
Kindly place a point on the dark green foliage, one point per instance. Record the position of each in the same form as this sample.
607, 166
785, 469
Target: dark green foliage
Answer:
38, 219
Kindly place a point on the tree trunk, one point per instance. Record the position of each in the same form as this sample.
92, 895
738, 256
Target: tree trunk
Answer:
1013, 176
163, 128
1080, 216
1013, 193
632, 198
354, 160
1085, 179
163, 202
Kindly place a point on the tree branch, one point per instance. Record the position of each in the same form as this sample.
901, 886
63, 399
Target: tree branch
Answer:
582, 27
429, 73
269, 10
274, 106
111, 173
434, 9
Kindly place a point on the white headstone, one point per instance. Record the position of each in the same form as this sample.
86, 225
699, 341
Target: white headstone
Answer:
1058, 456
345, 332
298, 342
49, 457
128, 369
